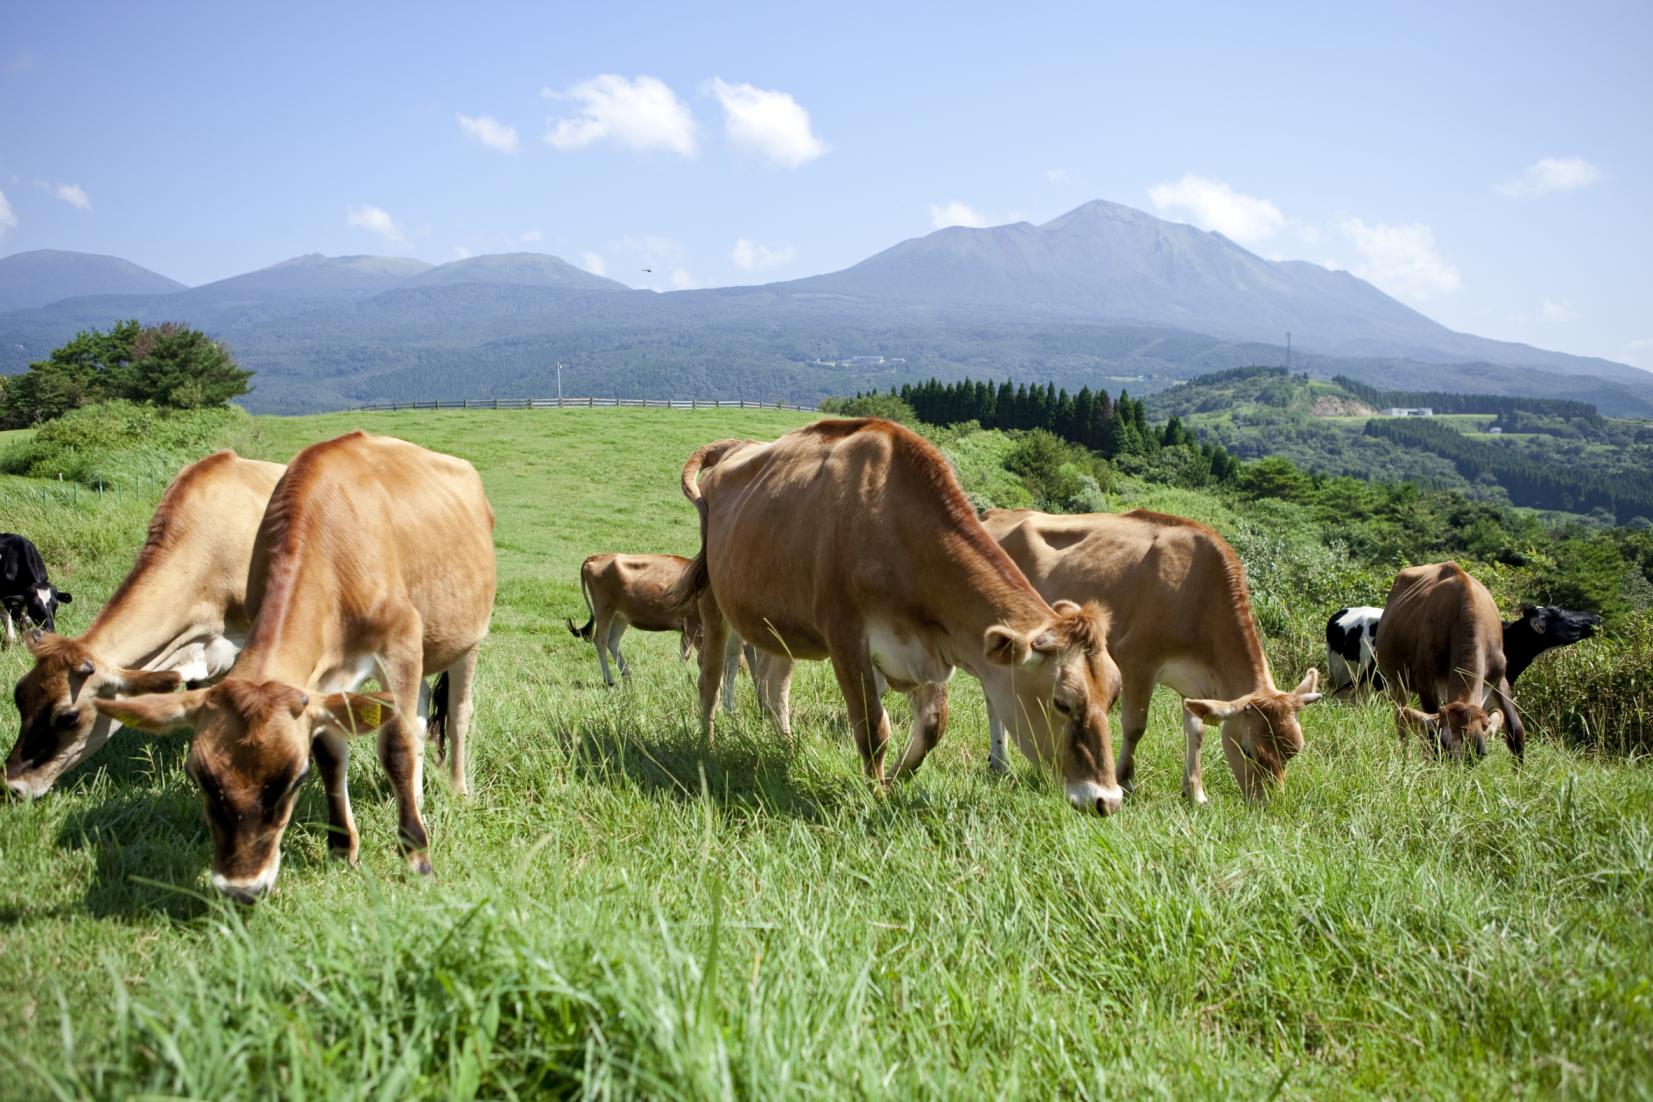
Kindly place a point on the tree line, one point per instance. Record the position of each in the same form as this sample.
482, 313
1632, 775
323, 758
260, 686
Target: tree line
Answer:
1091, 418
1529, 481
1443, 402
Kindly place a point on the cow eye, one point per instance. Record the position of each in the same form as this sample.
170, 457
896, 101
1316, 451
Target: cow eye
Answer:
1064, 708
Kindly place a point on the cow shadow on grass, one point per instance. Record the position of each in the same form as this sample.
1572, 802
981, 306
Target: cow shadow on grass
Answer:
149, 848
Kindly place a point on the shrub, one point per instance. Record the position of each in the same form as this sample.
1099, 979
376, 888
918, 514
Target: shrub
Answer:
1598, 693
123, 444
888, 406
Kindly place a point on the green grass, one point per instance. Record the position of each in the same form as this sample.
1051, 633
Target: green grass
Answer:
620, 910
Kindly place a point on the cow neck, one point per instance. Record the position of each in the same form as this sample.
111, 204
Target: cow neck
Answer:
980, 587
294, 636
143, 620
1520, 649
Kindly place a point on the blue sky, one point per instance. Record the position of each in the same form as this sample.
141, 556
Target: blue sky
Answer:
1489, 165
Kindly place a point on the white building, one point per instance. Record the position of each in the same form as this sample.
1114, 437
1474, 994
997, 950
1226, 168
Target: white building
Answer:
1401, 411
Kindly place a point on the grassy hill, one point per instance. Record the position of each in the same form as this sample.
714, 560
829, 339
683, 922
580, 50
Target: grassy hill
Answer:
1324, 427
619, 909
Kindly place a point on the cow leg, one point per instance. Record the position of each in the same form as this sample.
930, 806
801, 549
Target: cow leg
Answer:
714, 639
998, 761
599, 638
461, 679
402, 754
731, 671
1193, 785
773, 675
11, 628
1134, 697
858, 681
617, 628
332, 754
929, 706
1515, 733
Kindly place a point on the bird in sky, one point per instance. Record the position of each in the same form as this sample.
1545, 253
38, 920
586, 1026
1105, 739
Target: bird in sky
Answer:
648, 269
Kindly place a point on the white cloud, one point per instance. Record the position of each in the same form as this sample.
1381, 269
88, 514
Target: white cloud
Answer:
1401, 259
1561, 310
956, 213
1213, 205
751, 256
770, 124
682, 280
8, 220
1552, 174
490, 132
1056, 175
74, 195
593, 263
532, 236
379, 221
460, 252
641, 114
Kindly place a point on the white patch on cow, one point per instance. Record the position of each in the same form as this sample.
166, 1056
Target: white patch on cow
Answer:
44, 594
249, 887
1085, 795
998, 760
11, 628
903, 660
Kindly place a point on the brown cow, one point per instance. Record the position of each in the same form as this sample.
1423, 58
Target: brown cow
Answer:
180, 615
374, 559
851, 540
1179, 615
624, 591
1442, 639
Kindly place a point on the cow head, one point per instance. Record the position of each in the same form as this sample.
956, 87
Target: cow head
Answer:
1261, 732
1054, 687
1459, 727
58, 725
249, 756
36, 606
1559, 627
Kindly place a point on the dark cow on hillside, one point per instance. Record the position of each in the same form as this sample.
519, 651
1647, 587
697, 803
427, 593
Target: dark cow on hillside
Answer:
27, 596
1351, 641
1351, 647
1542, 628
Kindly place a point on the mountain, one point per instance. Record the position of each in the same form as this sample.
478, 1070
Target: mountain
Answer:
43, 276
518, 269
1104, 296
1115, 264
314, 275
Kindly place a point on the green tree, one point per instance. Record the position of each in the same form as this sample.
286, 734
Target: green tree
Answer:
166, 365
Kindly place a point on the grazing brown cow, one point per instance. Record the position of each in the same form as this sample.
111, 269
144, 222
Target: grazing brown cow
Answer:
1179, 615
1442, 639
851, 540
624, 591
180, 615
375, 558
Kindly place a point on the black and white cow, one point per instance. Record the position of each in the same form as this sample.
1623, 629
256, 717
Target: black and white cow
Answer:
1351, 647
27, 596
1542, 628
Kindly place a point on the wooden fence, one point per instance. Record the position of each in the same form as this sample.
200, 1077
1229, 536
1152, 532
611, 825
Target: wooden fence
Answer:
586, 403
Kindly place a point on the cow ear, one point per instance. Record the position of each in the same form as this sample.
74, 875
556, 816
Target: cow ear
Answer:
1306, 687
1428, 718
64, 598
1048, 642
1005, 646
149, 681
354, 713
1213, 712
35, 640
1064, 608
155, 713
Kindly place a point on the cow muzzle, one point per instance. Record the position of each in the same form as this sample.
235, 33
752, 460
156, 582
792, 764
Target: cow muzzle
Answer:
1090, 796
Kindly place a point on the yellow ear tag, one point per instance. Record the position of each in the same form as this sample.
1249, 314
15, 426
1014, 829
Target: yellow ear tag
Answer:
126, 719
370, 713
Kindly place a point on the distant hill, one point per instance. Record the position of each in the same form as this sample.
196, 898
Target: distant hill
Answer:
520, 269
1113, 263
1104, 295
42, 276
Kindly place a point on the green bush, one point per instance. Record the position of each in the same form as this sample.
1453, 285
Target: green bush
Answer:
123, 444
1598, 693
888, 406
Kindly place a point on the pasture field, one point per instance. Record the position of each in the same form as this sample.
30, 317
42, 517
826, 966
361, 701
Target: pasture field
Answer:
620, 910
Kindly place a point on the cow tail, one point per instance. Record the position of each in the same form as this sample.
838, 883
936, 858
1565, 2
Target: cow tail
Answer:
591, 613
437, 727
696, 577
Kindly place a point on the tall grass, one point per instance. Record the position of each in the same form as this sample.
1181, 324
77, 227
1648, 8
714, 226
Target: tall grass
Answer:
620, 910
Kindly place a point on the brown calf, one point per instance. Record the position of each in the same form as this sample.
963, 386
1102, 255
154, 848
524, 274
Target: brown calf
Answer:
1442, 639
374, 559
1179, 614
180, 615
851, 540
